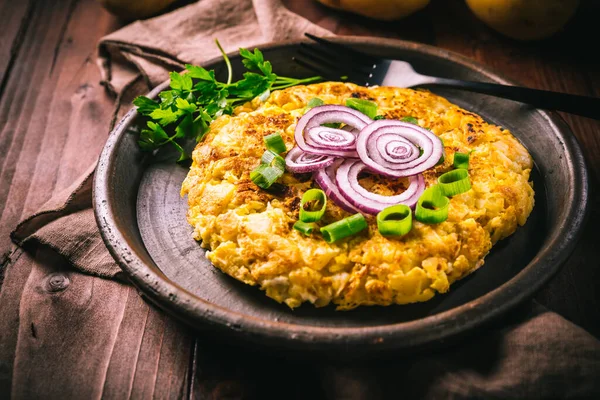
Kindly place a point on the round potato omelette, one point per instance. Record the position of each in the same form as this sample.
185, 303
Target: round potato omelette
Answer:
248, 230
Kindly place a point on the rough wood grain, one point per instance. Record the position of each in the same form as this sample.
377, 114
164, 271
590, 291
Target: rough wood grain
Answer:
10, 298
97, 338
64, 331
75, 333
65, 106
14, 18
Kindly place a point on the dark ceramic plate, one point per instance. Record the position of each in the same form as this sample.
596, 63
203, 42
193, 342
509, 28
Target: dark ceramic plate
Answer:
142, 220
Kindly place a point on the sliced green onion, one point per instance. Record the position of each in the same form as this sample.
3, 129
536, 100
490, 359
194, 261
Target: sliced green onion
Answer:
461, 160
432, 207
264, 175
395, 220
364, 106
305, 227
344, 228
273, 160
454, 182
315, 102
410, 120
312, 205
275, 143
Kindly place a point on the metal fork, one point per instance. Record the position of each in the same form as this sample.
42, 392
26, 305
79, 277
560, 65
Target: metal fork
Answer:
335, 61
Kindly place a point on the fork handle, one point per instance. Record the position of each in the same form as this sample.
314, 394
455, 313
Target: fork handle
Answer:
574, 104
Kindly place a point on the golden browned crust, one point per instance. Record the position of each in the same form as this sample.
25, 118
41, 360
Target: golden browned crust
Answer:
249, 230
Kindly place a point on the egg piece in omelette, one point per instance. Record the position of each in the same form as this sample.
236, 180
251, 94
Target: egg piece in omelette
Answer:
248, 231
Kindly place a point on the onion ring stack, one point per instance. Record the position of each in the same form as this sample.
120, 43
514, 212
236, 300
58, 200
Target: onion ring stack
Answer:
337, 156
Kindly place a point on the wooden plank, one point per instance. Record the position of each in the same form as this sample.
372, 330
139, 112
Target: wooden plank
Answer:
18, 269
173, 369
101, 332
64, 331
16, 110
86, 334
29, 169
14, 18
66, 108
77, 328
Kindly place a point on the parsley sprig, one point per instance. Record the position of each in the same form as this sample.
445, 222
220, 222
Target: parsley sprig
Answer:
196, 98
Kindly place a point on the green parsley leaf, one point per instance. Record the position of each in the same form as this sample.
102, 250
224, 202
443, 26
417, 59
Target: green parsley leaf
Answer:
200, 73
179, 81
256, 62
168, 98
152, 137
196, 98
165, 117
145, 105
251, 86
207, 92
188, 128
185, 106
252, 60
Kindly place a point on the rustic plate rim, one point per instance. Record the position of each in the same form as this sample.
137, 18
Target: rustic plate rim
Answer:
444, 325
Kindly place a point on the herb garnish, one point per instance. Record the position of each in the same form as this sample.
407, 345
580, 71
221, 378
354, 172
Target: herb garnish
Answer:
196, 98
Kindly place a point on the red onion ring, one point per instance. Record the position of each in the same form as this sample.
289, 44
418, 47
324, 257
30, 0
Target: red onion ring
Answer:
382, 146
400, 148
326, 138
300, 162
320, 115
372, 203
325, 178
351, 129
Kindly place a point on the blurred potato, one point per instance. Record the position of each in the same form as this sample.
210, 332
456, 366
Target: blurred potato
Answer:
524, 19
135, 9
386, 10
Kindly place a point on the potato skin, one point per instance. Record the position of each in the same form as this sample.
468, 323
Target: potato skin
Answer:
136, 9
248, 231
385, 10
524, 19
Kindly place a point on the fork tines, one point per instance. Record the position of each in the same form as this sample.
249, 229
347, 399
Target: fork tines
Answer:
343, 50
336, 61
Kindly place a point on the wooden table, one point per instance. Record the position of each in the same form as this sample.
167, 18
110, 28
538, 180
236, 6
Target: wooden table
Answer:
48, 78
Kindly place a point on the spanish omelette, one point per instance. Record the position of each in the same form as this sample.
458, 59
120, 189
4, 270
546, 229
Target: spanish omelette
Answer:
248, 231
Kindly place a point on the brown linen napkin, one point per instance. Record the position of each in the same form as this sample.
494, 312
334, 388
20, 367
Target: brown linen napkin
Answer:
133, 60
533, 354
541, 355
166, 43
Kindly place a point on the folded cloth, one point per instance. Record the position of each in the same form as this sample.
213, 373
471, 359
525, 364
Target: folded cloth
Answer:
159, 45
540, 355
133, 60
533, 354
